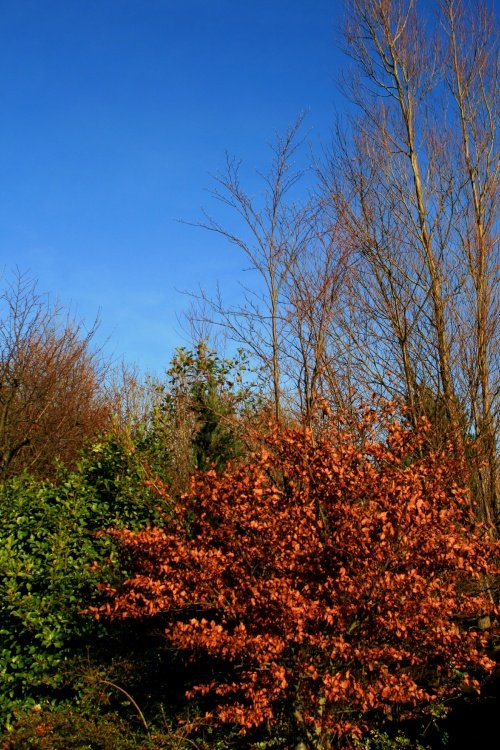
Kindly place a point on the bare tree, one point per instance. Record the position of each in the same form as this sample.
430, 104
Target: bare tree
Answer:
415, 188
313, 288
472, 57
270, 237
398, 68
388, 282
384, 295
52, 394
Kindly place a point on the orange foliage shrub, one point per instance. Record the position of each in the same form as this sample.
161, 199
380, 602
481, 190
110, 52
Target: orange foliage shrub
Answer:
337, 579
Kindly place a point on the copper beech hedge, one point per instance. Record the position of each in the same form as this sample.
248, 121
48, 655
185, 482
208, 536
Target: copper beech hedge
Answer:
339, 581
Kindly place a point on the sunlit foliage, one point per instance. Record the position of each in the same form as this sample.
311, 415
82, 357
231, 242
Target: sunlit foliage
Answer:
338, 580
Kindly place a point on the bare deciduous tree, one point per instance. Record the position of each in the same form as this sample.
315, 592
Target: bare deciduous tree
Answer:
387, 281
312, 290
472, 56
270, 238
415, 187
52, 394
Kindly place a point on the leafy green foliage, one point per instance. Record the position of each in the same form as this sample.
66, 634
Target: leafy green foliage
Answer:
377, 740
114, 473
199, 415
45, 576
68, 728
51, 559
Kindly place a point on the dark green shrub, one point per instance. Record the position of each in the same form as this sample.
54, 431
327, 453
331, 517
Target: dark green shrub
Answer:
199, 416
51, 559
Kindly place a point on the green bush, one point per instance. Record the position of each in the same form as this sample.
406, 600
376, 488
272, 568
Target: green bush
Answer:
51, 559
115, 474
199, 415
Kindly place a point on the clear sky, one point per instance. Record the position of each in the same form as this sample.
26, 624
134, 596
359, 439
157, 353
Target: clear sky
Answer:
114, 115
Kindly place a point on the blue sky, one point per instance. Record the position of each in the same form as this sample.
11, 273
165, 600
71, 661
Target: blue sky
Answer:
114, 115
